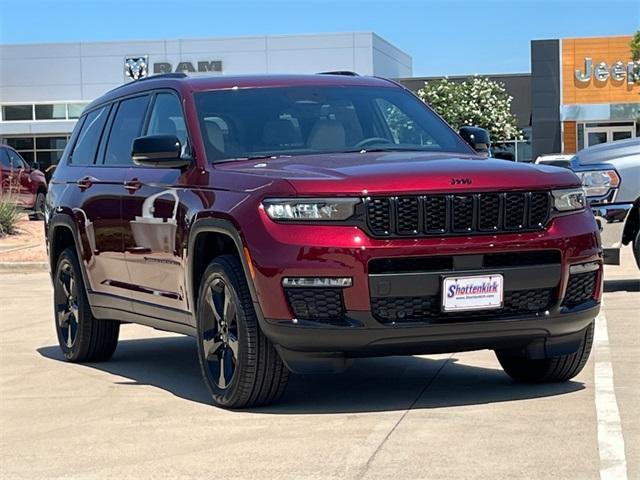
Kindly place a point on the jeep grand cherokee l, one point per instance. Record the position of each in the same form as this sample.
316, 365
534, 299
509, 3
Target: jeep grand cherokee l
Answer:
291, 223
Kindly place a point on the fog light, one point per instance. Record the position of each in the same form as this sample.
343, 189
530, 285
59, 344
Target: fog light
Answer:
335, 282
584, 267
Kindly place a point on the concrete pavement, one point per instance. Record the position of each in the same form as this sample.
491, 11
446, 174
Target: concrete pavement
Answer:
145, 414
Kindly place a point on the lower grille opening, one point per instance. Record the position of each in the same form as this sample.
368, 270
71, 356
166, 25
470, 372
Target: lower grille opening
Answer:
316, 304
428, 308
580, 288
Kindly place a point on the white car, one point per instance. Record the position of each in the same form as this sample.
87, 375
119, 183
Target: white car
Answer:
556, 159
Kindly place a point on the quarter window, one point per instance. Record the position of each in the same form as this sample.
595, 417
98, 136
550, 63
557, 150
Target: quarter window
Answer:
127, 125
84, 151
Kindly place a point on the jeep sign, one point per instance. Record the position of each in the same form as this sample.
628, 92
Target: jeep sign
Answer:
618, 71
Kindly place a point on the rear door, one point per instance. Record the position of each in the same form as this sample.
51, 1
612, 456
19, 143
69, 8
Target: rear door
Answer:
154, 213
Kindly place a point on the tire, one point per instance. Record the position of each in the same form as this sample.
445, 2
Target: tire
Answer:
38, 206
636, 247
82, 337
554, 369
240, 366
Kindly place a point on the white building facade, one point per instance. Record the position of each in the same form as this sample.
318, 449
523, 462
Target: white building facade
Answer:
44, 87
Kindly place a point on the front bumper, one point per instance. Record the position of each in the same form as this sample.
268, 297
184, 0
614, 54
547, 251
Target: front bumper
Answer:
313, 348
611, 220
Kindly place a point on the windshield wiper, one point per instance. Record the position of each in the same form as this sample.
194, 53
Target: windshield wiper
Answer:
394, 148
250, 158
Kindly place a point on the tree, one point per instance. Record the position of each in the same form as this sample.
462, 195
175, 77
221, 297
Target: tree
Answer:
477, 101
635, 46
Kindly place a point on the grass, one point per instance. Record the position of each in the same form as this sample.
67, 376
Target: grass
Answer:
9, 214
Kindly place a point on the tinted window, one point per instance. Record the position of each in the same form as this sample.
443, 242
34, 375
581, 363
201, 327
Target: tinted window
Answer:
16, 160
166, 118
17, 112
4, 158
127, 125
84, 151
57, 111
307, 120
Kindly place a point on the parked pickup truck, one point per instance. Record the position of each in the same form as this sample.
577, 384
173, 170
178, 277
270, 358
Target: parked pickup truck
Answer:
294, 222
21, 182
610, 174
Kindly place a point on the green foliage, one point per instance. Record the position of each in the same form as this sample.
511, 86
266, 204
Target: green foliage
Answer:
635, 46
477, 101
9, 214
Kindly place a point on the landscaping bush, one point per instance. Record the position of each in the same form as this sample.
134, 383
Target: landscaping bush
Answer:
9, 214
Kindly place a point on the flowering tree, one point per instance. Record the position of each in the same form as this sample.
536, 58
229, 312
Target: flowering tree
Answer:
477, 101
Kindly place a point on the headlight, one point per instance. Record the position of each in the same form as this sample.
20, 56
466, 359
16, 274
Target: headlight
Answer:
598, 182
568, 200
310, 209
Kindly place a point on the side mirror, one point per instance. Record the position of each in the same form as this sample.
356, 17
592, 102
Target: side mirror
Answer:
163, 151
478, 138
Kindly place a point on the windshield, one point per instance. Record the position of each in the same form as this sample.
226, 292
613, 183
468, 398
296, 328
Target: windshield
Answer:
265, 122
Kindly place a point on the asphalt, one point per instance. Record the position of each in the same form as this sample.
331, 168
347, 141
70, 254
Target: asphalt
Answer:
146, 413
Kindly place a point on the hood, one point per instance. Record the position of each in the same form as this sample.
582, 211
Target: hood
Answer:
402, 172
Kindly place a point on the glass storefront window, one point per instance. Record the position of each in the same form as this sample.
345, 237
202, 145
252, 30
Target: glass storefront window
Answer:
51, 112
20, 143
76, 109
48, 158
51, 143
17, 112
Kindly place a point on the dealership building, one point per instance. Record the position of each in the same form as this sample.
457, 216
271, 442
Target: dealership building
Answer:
580, 92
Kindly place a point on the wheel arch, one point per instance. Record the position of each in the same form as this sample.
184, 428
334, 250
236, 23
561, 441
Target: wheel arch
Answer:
209, 238
632, 225
62, 234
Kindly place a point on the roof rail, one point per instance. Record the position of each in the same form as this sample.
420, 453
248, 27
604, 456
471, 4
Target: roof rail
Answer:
163, 75
346, 73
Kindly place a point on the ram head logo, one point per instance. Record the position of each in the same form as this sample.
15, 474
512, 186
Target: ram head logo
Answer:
135, 67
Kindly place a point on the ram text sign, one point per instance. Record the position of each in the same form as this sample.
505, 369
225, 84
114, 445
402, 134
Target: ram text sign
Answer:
136, 67
617, 71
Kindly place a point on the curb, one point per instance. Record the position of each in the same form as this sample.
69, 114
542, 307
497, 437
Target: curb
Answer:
23, 267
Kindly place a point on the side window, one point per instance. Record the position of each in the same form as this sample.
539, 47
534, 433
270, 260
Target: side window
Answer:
127, 125
167, 118
16, 160
4, 158
84, 150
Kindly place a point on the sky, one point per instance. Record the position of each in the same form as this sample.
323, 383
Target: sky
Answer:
457, 37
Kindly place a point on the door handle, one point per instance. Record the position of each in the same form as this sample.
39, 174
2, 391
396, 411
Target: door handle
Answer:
133, 186
86, 182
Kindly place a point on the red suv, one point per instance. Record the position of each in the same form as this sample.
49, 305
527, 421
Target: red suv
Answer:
17, 179
291, 223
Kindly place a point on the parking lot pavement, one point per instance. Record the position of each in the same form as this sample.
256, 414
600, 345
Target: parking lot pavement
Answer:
146, 413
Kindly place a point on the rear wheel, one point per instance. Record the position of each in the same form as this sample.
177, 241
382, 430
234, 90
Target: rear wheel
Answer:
239, 364
82, 337
38, 207
554, 369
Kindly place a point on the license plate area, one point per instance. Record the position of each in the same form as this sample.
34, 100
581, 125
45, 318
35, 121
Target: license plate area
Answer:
472, 292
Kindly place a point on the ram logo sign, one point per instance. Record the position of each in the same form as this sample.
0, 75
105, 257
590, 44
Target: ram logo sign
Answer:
136, 67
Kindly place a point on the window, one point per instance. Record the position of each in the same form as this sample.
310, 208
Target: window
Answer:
4, 158
127, 125
51, 143
51, 112
17, 112
76, 109
167, 118
84, 151
20, 143
306, 120
46, 150
16, 161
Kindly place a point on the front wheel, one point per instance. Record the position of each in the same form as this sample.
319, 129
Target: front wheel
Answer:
554, 369
240, 366
636, 248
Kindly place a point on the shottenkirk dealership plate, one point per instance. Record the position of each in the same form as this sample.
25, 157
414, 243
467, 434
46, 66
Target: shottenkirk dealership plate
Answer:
479, 292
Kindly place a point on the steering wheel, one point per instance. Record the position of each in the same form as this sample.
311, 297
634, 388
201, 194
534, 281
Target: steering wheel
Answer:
371, 141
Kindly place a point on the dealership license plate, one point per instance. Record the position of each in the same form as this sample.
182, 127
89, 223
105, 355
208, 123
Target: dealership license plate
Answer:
479, 292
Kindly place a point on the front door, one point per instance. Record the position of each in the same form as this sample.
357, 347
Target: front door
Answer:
22, 177
155, 211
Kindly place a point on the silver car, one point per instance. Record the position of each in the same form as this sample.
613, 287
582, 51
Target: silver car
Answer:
610, 174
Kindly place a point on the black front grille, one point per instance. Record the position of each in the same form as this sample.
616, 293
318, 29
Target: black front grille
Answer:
457, 214
428, 308
580, 288
316, 304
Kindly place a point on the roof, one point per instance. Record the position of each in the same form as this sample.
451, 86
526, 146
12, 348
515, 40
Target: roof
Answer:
223, 82
609, 151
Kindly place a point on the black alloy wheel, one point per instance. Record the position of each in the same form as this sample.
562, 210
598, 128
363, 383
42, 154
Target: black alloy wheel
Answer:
220, 332
66, 303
